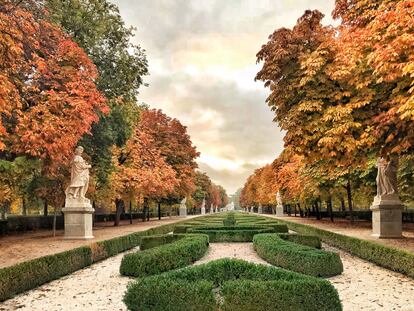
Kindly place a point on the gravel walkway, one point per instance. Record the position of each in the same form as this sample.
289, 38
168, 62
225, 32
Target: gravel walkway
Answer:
362, 286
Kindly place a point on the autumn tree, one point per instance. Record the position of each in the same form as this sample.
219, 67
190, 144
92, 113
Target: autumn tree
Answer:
98, 28
48, 96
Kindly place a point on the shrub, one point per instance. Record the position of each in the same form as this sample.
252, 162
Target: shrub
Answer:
309, 240
230, 234
166, 257
296, 257
155, 294
30, 274
384, 256
152, 241
244, 287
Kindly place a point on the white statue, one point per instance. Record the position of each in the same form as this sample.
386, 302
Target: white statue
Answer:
278, 198
184, 201
387, 177
79, 176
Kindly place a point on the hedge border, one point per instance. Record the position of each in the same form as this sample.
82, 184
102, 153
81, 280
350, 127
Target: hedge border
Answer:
384, 256
293, 254
30, 274
172, 255
244, 286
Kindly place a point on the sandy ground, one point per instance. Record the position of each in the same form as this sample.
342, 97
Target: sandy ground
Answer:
26, 246
360, 229
362, 286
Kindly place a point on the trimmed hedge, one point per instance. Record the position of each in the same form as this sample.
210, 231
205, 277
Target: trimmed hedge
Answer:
33, 273
231, 233
300, 258
244, 287
30, 274
308, 240
152, 241
379, 254
167, 257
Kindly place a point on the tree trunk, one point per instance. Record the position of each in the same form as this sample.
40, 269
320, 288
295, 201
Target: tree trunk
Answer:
130, 212
295, 205
318, 212
349, 194
3, 212
343, 208
54, 221
119, 205
144, 211
159, 211
45, 206
24, 206
329, 208
300, 210
169, 210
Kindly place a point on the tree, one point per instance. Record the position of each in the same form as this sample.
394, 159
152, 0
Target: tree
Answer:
48, 96
98, 28
140, 170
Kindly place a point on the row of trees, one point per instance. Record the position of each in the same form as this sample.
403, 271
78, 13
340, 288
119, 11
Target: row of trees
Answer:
70, 75
345, 96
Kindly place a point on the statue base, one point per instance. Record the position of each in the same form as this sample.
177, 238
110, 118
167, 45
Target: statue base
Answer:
387, 217
183, 211
260, 210
203, 211
279, 211
78, 219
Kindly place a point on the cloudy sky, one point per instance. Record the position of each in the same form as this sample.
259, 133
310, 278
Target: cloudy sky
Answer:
202, 62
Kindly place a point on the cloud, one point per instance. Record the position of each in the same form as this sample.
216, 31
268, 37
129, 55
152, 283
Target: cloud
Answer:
202, 64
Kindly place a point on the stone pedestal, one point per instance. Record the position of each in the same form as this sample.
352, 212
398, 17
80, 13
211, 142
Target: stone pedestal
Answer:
183, 210
78, 219
387, 216
279, 210
260, 209
203, 210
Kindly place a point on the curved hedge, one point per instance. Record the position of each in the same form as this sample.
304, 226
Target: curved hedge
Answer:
166, 257
281, 252
243, 287
384, 256
231, 233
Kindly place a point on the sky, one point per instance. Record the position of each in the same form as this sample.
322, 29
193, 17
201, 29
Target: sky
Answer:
202, 63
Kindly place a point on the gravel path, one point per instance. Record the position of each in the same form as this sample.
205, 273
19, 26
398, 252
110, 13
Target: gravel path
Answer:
362, 286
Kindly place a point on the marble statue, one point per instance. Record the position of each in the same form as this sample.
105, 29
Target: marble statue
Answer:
387, 206
79, 176
203, 207
387, 177
278, 198
279, 205
78, 210
183, 208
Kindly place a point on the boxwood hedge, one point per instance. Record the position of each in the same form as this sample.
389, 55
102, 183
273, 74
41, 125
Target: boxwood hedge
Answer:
388, 257
177, 254
243, 287
30, 274
287, 253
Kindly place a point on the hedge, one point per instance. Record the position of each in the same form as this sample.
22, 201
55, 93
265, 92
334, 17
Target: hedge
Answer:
243, 286
388, 257
297, 257
152, 241
30, 274
231, 233
33, 273
175, 255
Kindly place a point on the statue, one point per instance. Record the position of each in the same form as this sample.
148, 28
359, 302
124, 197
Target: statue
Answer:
387, 177
79, 176
278, 198
183, 201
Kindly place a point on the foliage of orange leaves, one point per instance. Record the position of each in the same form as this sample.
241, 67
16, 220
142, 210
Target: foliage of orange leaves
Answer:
48, 98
